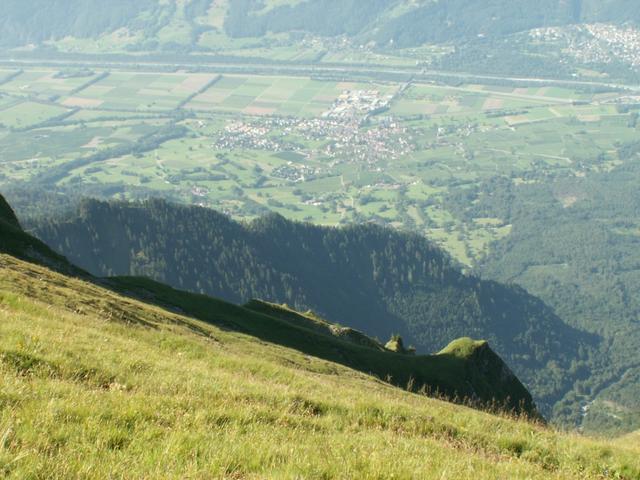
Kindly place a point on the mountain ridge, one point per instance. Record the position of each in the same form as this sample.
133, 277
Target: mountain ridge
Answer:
133, 383
448, 374
387, 22
376, 280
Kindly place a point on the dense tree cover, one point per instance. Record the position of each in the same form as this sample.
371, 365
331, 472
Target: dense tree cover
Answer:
35, 21
429, 22
373, 279
6, 213
325, 17
505, 56
575, 243
466, 371
437, 22
14, 241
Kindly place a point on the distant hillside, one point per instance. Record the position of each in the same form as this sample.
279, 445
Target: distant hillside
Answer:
34, 21
407, 24
394, 20
373, 279
397, 22
582, 258
616, 11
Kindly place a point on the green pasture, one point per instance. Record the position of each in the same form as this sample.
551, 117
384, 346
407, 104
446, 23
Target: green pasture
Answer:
431, 99
286, 96
92, 116
29, 113
460, 136
139, 91
6, 101
43, 83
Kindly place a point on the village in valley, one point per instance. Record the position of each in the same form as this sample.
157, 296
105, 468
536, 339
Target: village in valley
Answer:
595, 44
315, 149
343, 133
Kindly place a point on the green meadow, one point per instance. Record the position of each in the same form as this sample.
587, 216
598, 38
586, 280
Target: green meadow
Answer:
97, 385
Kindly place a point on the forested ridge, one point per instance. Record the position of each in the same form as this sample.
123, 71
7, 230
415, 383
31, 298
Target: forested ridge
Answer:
371, 278
387, 22
574, 243
34, 21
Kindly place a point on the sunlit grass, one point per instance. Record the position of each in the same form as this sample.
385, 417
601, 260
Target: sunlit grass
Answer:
99, 386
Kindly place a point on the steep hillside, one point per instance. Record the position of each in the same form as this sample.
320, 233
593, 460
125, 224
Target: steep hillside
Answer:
15, 241
404, 24
7, 214
34, 21
398, 23
375, 280
98, 385
582, 259
477, 376
311, 321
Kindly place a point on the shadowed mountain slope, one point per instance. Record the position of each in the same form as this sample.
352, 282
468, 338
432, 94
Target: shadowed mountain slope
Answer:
375, 280
396, 23
455, 376
153, 382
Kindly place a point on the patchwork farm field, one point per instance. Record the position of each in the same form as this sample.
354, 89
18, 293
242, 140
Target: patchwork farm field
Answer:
25, 114
139, 91
326, 151
285, 96
44, 83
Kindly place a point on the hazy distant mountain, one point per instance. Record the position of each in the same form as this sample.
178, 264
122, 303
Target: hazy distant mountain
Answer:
34, 21
400, 22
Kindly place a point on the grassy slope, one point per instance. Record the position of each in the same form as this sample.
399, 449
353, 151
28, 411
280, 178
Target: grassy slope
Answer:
313, 322
376, 280
478, 377
96, 385
475, 376
632, 437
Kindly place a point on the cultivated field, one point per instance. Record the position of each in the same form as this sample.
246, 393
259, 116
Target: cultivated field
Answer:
310, 149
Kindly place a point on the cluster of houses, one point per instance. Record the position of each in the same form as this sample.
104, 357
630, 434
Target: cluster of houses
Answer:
339, 140
295, 172
358, 103
595, 43
252, 135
